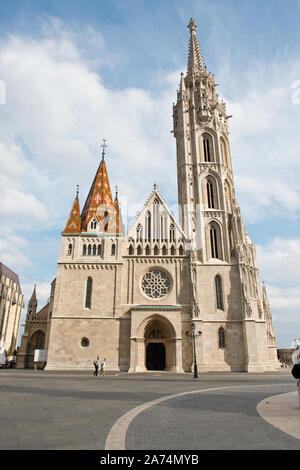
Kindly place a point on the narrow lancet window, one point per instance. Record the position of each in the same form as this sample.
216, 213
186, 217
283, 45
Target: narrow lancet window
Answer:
219, 292
88, 295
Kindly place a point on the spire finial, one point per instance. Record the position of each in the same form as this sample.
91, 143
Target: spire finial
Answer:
77, 191
155, 187
116, 192
196, 63
192, 25
103, 145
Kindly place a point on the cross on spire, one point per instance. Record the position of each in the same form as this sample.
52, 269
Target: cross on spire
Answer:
103, 145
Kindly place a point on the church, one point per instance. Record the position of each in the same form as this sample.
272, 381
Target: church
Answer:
135, 298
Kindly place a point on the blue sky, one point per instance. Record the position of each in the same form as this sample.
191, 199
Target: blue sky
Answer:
76, 72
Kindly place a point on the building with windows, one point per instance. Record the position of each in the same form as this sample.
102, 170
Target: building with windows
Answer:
132, 297
11, 304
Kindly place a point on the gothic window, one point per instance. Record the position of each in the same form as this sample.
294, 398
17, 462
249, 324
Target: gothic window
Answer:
88, 294
84, 250
210, 190
156, 219
156, 252
219, 292
163, 225
94, 250
155, 284
139, 232
113, 249
130, 251
164, 250
172, 234
147, 250
206, 149
172, 250
139, 250
181, 250
148, 226
89, 249
221, 338
215, 241
70, 249
99, 250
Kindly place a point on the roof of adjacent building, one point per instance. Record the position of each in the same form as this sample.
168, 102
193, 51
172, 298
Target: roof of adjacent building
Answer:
5, 271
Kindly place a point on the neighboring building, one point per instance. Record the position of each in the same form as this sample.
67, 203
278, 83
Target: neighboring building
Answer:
285, 356
133, 297
11, 304
36, 331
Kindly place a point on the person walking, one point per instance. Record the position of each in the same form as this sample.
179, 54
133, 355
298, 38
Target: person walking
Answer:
103, 364
96, 365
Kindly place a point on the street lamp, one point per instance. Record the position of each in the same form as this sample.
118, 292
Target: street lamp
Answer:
194, 335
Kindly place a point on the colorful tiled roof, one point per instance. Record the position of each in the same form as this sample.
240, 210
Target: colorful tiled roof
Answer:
74, 220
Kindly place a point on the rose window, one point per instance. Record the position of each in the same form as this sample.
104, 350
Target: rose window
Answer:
155, 284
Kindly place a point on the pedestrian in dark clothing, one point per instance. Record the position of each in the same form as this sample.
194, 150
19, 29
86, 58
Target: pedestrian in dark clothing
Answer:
96, 365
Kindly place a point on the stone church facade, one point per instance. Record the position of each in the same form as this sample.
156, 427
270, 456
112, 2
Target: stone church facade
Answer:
133, 297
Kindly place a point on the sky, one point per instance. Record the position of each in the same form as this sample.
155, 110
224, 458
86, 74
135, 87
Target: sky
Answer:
73, 73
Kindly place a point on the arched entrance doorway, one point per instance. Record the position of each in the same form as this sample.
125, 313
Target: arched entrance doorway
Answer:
159, 344
156, 356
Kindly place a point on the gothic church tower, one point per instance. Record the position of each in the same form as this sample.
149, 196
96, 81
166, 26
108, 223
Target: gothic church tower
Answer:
227, 301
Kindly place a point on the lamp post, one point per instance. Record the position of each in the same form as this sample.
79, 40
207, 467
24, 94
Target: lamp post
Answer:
194, 335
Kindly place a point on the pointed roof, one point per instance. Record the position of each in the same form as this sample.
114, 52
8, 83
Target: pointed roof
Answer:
74, 221
196, 63
147, 206
118, 219
99, 197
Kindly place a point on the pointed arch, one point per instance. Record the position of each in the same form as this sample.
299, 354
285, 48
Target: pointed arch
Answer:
88, 292
113, 249
156, 250
84, 250
207, 148
219, 292
89, 250
148, 226
211, 192
163, 226
130, 250
221, 338
147, 251
164, 250
139, 250
99, 250
94, 250
215, 241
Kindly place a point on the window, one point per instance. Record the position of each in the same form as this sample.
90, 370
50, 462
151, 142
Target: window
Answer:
206, 149
164, 250
221, 338
139, 250
130, 251
163, 226
172, 233
155, 284
147, 250
70, 249
99, 250
156, 252
219, 292
88, 295
113, 249
148, 226
94, 250
214, 243
139, 232
181, 250
84, 250
89, 249
173, 250
210, 194
85, 342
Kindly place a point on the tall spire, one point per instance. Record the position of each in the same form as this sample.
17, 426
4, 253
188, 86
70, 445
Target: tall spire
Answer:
196, 63
99, 200
74, 222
